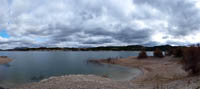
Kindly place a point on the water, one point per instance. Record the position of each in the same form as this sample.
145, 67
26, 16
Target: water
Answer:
33, 66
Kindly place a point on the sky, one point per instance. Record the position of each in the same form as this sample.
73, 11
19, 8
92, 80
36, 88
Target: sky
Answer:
91, 23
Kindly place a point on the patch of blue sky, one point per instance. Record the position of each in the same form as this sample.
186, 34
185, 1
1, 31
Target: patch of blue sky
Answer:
40, 39
4, 34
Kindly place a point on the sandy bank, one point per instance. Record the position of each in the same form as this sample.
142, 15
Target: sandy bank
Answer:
4, 60
154, 69
166, 73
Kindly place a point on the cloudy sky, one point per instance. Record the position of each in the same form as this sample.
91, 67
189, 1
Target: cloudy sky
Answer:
83, 23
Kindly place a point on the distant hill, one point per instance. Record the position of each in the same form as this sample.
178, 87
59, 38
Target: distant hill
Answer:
101, 48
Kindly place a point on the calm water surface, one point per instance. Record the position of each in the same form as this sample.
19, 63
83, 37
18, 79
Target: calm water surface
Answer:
36, 65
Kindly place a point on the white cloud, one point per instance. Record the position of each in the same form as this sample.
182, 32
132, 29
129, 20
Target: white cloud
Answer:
4, 10
98, 22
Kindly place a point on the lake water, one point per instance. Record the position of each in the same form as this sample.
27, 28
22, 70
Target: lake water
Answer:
32, 66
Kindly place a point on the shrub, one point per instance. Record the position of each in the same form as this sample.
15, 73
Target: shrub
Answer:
158, 53
191, 60
178, 52
169, 52
142, 55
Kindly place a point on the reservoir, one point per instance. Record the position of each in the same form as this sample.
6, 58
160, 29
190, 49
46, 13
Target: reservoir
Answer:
33, 66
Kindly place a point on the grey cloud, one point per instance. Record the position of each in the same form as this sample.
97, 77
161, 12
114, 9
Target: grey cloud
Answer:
181, 14
3, 14
97, 22
125, 35
129, 35
12, 43
101, 41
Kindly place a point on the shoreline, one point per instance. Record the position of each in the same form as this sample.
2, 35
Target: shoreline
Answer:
158, 73
152, 67
131, 73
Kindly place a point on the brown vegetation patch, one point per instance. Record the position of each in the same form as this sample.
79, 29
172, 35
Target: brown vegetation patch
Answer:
158, 53
191, 60
142, 55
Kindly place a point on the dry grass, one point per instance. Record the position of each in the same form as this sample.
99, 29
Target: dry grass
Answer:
178, 52
191, 60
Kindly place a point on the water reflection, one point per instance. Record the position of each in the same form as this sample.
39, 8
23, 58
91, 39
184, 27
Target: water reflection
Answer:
37, 78
5, 65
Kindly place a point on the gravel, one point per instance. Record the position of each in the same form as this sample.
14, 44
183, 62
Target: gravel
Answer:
78, 82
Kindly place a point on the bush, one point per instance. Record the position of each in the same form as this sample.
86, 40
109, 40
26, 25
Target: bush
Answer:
169, 52
158, 53
191, 60
142, 55
178, 52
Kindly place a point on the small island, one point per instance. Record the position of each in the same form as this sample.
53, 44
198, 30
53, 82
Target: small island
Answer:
5, 60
